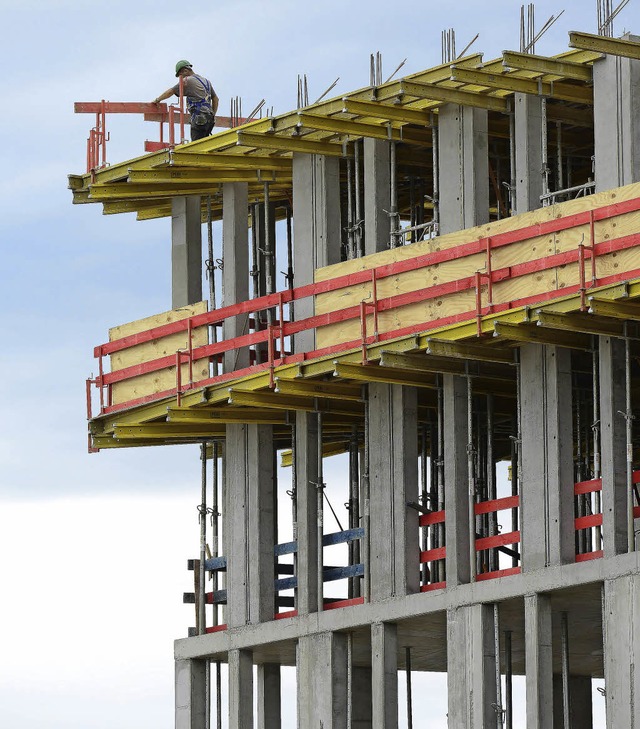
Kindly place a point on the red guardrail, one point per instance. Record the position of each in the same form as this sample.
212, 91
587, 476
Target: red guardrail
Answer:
274, 334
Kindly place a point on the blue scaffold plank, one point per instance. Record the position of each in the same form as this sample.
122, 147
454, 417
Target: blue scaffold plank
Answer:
215, 563
348, 535
329, 574
285, 548
220, 596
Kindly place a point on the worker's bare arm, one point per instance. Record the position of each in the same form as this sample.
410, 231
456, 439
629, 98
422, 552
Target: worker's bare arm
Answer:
167, 94
214, 103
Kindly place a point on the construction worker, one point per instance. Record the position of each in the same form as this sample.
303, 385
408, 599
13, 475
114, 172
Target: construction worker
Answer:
202, 101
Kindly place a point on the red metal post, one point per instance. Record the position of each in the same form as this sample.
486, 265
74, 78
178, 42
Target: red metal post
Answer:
101, 384
478, 285
181, 110
592, 234
363, 331
374, 296
583, 283
178, 379
190, 345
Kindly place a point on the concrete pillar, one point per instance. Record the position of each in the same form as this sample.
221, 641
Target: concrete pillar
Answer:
361, 698
322, 681
384, 675
250, 524
240, 689
306, 530
471, 662
235, 272
463, 167
581, 703
621, 646
547, 500
528, 148
316, 227
269, 701
616, 120
190, 694
377, 195
456, 481
538, 661
186, 251
394, 562
613, 442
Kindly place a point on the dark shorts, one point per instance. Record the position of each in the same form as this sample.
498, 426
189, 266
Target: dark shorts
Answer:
199, 131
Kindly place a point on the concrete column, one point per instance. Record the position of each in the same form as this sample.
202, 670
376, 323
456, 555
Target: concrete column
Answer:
463, 168
377, 195
528, 148
456, 480
613, 442
240, 689
322, 681
190, 694
538, 661
471, 667
316, 227
621, 646
547, 500
269, 702
186, 251
361, 698
306, 455
250, 524
235, 272
384, 675
394, 562
616, 118
581, 703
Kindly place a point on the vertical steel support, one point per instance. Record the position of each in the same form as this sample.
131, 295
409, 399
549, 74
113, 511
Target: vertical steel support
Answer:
409, 692
566, 699
436, 176
320, 508
496, 638
365, 499
595, 429
631, 536
359, 243
508, 680
472, 482
393, 213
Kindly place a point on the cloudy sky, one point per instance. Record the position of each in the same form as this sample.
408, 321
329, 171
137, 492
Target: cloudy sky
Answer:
93, 548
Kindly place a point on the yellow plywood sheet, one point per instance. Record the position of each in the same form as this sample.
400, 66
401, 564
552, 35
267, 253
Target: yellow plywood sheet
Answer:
165, 379
507, 291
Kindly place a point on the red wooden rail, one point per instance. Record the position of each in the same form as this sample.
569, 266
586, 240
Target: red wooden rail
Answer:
278, 333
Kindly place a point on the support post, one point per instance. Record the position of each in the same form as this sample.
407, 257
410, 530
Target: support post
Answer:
377, 195
190, 696
581, 708
456, 479
615, 501
250, 524
322, 681
235, 271
547, 524
471, 667
528, 152
393, 447
463, 168
186, 251
316, 227
269, 699
384, 675
240, 689
538, 661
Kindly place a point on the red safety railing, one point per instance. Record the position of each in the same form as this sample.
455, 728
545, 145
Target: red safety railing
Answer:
371, 310
593, 522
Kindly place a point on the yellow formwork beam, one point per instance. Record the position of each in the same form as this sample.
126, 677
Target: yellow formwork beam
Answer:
466, 351
510, 82
202, 177
539, 335
225, 415
446, 95
376, 373
389, 112
341, 125
278, 401
547, 66
585, 323
601, 44
311, 388
328, 450
152, 431
625, 310
288, 144
228, 160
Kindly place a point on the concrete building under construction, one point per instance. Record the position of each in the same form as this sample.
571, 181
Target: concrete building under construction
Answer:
458, 326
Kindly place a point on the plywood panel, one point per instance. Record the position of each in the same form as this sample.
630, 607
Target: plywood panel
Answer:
164, 379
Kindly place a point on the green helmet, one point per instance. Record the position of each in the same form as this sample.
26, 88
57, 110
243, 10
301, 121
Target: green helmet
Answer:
180, 65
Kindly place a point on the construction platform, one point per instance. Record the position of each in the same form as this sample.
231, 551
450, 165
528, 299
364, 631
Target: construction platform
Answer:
459, 326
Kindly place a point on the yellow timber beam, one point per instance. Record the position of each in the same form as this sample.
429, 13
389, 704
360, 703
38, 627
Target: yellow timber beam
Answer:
421, 363
601, 44
288, 144
219, 160
548, 66
328, 450
152, 431
201, 177
510, 82
129, 191
340, 125
467, 350
311, 388
375, 373
448, 95
225, 415
584, 323
539, 335
625, 310
389, 112
291, 402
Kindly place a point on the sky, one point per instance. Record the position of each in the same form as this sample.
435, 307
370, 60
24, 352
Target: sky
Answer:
93, 548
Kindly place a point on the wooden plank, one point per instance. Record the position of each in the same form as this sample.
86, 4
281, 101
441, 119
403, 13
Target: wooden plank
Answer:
165, 379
